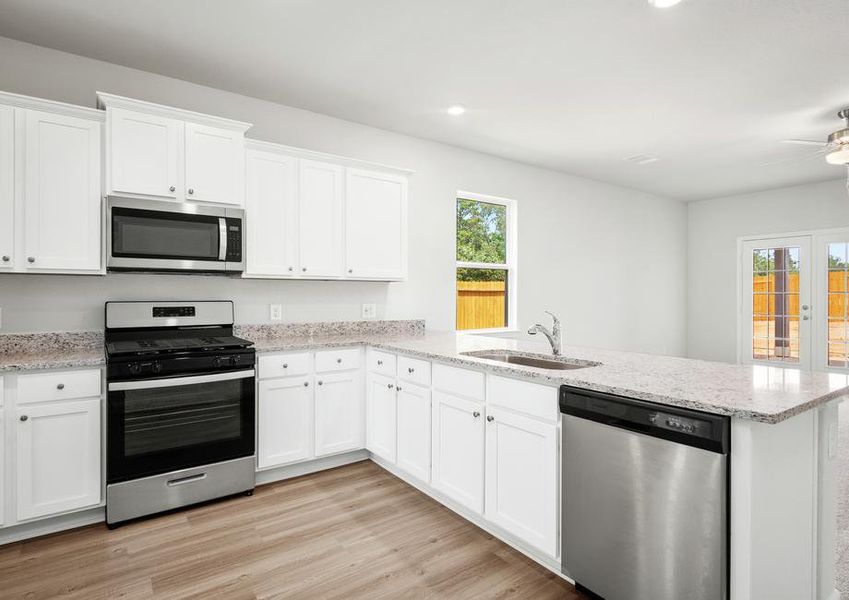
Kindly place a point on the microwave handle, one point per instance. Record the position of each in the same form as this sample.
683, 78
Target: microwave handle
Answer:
222, 238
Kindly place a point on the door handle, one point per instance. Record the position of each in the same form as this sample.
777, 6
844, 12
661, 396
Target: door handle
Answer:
222, 238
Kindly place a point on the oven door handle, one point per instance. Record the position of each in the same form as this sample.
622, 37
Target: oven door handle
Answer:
150, 384
222, 238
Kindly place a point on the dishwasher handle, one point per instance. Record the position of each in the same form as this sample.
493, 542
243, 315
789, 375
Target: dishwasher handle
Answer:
682, 426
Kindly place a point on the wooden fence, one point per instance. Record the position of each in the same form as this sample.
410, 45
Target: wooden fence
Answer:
481, 304
763, 302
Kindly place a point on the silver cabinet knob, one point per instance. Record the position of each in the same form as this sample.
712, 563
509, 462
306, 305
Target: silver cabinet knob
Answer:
291, 268
24, 417
398, 389
303, 269
805, 317
805, 307
306, 384
6, 258
285, 365
350, 270
490, 418
476, 414
390, 386
60, 386
379, 363
191, 191
320, 382
172, 189
339, 361
411, 370
30, 259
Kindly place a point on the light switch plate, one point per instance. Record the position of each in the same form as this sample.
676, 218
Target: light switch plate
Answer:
369, 311
275, 312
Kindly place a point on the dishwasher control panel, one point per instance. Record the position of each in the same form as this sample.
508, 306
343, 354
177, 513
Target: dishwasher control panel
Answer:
676, 423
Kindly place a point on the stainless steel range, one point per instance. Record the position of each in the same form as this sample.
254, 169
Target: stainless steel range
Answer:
180, 408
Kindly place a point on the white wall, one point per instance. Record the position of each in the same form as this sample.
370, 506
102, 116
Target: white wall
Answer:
713, 229
610, 261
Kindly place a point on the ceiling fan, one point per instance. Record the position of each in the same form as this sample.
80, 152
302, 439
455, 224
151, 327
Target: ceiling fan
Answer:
836, 146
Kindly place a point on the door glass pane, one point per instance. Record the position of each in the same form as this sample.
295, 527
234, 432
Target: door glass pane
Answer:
149, 234
163, 419
838, 304
775, 304
481, 298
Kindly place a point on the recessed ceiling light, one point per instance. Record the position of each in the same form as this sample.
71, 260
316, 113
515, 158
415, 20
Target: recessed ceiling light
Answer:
456, 110
663, 3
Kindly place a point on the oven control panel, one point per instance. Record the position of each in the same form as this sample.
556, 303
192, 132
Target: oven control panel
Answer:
173, 311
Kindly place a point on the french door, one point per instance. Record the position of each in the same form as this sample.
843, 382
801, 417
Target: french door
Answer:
794, 307
776, 302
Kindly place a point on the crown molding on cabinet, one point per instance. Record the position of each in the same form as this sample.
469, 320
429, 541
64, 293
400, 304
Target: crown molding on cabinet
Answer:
105, 100
259, 145
52, 106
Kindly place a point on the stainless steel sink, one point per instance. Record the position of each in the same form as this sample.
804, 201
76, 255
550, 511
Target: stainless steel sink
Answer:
540, 361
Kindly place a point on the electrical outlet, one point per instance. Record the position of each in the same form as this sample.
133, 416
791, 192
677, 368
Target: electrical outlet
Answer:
275, 311
369, 311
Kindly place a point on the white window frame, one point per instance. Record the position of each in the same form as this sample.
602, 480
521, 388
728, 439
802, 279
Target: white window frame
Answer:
511, 266
819, 240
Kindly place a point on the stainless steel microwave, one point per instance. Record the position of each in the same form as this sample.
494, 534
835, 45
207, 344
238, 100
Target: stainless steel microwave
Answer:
149, 235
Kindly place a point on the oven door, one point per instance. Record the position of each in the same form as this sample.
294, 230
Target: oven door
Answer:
149, 235
161, 425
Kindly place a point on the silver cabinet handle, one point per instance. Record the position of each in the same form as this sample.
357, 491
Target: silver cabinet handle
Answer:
172, 189
490, 418
60, 386
185, 480
805, 307
398, 389
379, 363
411, 370
24, 417
191, 191
320, 382
285, 365
6, 258
390, 386
805, 317
31, 259
476, 414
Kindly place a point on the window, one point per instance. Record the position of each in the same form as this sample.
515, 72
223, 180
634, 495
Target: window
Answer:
486, 262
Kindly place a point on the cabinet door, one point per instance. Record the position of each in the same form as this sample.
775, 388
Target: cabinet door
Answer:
271, 207
380, 416
215, 164
375, 225
62, 193
58, 457
7, 187
338, 413
414, 430
320, 213
521, 477
458, 447
284, 421
143, 154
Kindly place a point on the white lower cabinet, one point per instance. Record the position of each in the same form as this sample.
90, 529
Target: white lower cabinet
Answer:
381, 414
458, 449
338, 412
58, 457
521, 477
414, 411
284, 421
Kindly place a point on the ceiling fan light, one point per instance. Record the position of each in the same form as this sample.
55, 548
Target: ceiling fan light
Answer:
839, 137
838, 157
663, 3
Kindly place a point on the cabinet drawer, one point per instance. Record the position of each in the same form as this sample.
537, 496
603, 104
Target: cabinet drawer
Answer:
283, 365
381, 362
414, 370
532, 399
65, 385
459, 382
337, 360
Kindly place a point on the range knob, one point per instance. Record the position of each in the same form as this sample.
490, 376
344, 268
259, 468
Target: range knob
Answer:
134, 368
235, 359
157, 366
218, 361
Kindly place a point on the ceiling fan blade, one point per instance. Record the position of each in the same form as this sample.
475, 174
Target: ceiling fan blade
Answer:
804, 142
795, 159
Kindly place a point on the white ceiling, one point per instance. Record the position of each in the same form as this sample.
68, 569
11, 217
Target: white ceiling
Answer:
708, 86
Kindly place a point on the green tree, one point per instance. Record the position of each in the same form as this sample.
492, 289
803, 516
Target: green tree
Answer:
481, 237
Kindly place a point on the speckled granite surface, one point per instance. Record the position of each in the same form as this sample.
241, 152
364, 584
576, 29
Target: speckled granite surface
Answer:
60, 350
331, 328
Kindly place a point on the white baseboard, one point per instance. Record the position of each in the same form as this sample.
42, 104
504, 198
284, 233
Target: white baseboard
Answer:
24, 531
311, 466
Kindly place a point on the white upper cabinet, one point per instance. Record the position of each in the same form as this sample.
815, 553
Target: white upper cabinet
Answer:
375, 225
144, 154
214, 164
160, 152
272, 219
7, 187
320, 209
61, 200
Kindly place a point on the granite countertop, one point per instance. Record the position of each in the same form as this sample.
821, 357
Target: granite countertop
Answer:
755, 392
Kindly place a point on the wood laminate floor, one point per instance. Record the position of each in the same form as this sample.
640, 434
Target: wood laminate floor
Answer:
351, 532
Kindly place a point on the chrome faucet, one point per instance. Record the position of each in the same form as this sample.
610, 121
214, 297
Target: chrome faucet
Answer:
553, 336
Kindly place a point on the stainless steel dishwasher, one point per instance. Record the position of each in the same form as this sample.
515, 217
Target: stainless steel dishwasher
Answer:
645, 498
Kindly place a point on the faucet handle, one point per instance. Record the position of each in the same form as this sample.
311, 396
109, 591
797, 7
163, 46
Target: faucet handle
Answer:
553, 316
